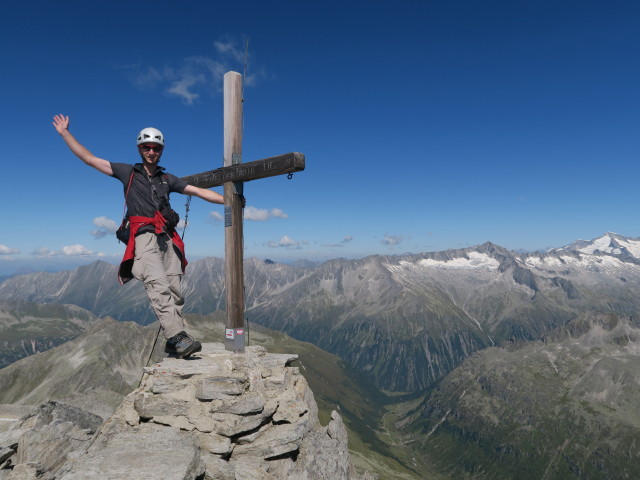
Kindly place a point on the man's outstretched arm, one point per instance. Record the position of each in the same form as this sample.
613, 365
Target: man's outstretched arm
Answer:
61, 124
203, 193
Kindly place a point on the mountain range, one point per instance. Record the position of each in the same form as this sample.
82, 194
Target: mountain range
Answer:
406, 321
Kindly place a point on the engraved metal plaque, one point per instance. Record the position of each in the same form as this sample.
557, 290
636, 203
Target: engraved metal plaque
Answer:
227, 217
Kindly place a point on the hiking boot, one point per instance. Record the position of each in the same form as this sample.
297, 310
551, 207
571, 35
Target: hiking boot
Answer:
183, 345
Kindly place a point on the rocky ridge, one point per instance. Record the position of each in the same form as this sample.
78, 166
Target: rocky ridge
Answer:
217, 416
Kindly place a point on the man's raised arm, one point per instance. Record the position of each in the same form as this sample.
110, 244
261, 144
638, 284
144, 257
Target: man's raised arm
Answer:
61, 124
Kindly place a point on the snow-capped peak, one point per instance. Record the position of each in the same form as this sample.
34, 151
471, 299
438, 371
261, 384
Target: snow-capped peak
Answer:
610, 243
603, 244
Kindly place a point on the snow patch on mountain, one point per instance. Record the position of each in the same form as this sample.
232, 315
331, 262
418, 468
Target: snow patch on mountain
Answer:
602, 244
476, 260
607, 265
542, 263
608, 244
632, 246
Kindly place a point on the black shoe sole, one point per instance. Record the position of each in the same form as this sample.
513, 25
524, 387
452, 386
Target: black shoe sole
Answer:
190, 350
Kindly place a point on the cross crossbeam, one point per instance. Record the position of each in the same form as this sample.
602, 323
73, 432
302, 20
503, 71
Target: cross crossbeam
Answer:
244, 172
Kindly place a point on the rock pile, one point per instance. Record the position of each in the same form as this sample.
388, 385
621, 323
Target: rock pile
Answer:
219, 416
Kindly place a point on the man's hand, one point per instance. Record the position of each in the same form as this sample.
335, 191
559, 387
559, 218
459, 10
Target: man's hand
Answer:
61, 123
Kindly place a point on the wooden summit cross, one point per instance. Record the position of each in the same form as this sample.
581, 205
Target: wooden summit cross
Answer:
232, 175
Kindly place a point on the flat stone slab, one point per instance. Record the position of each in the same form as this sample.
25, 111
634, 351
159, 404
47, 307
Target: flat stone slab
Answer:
215, 360
153, 452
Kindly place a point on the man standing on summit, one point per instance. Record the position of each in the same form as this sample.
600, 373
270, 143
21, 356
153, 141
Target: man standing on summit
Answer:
154, 252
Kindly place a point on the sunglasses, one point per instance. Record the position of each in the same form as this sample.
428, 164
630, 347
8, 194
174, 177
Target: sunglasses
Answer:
147, 148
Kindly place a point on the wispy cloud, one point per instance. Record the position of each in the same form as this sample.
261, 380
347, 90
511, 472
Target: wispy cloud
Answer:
342, 243
44, 252
196, 75
183, 87
4, 250
105, 226
288, 243
230, 49
392, 240
68, 251
148, 77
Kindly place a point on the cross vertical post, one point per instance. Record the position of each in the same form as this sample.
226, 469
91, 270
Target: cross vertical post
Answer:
232, 176
233, 231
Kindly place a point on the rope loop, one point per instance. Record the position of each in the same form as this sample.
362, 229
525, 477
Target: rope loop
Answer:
186, 215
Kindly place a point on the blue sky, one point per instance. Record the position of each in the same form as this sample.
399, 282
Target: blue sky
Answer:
426, 125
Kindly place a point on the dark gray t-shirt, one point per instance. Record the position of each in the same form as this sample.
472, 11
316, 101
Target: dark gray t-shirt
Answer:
146, 194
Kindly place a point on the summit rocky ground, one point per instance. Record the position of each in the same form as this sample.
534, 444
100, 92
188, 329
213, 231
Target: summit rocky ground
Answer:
217, 416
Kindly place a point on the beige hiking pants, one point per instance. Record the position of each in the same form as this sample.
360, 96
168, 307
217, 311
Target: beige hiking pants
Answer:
157, 265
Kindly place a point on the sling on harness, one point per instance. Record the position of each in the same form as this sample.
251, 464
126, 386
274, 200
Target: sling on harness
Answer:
164, 220
135, 222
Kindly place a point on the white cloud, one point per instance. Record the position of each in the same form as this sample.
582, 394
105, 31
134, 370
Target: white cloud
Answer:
105, 225
251, 213
4, 250
215, 216
276, 212
197, 74
182, 87
73, 250
286, 242
236, 51
261, 215
256, 214
392, 240
184, 82
67, 251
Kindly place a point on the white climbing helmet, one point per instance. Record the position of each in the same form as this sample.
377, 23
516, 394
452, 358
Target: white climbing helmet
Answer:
150, 135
